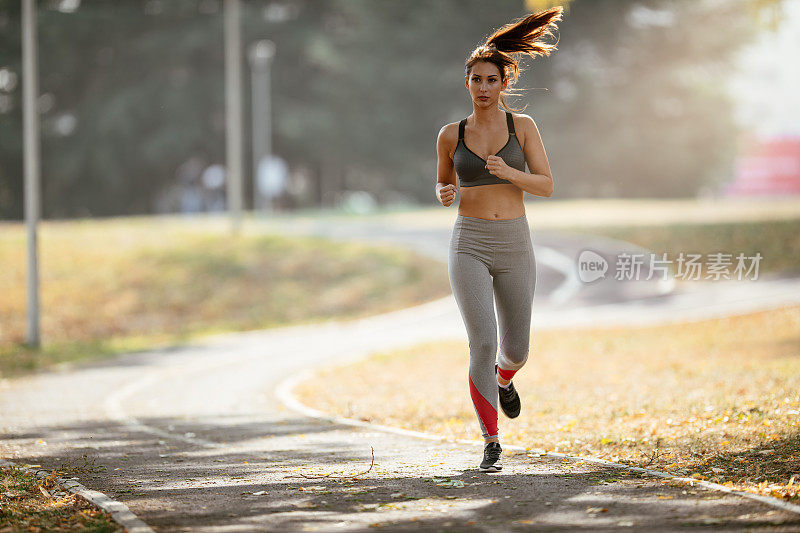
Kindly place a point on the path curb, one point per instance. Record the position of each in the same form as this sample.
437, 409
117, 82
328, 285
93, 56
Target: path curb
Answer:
285, 393
118, 510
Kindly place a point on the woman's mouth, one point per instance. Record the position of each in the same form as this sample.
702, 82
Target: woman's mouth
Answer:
483, 98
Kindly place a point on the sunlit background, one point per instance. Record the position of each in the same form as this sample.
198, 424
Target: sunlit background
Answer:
641, 99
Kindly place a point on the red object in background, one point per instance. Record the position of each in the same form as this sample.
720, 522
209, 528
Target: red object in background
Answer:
767, 166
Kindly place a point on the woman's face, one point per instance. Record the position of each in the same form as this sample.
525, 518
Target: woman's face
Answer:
484, 84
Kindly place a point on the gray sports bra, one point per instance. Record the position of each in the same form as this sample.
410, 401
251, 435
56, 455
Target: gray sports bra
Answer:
471, 169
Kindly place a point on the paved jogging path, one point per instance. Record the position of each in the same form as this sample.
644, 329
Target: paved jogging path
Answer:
192, 438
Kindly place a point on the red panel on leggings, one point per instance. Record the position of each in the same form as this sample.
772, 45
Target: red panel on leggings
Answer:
487, 413
506, 374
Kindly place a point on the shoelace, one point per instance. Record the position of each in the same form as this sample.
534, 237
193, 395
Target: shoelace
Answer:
507, 393
493, 452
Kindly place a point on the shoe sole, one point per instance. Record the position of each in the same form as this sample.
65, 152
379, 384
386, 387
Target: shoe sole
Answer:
490, 468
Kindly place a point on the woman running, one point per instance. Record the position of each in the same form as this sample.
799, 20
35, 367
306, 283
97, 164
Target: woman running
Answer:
490, 247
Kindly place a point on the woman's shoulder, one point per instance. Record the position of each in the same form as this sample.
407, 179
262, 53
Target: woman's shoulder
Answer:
447, 141
449, 133
521, 118
523, 124
449, 128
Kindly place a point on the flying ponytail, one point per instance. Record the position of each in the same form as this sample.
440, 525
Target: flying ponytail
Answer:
525, 35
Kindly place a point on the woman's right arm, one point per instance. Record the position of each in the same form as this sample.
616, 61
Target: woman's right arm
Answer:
445, 171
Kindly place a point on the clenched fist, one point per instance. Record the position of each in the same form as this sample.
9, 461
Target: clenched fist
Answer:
447, 194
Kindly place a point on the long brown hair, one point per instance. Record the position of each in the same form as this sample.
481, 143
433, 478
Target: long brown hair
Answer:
524, 35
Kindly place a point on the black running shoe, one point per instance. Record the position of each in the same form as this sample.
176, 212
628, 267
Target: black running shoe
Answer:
509, 399
491, 457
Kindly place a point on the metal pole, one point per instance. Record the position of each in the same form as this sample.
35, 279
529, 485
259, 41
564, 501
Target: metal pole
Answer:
233, 112
268, 114
30, 127
261, 53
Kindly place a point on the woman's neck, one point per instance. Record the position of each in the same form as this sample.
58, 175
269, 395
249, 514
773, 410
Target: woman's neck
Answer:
486, 117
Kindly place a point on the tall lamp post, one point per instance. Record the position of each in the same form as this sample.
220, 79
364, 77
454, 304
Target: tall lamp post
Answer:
233, 112
261, 54
30, 127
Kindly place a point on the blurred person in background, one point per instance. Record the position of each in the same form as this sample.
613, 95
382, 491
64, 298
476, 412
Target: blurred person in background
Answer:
490, 247
213, 180
188, 175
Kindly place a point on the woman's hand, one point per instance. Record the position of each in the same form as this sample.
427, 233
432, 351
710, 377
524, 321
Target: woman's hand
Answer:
498, 167
446, 194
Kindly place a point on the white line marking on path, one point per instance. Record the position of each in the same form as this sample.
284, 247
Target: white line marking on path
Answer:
114, 410
561, 263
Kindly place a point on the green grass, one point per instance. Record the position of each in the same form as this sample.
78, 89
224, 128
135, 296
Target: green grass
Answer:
112, 286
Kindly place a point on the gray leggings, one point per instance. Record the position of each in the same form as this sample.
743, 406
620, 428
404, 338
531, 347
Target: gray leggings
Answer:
489, 256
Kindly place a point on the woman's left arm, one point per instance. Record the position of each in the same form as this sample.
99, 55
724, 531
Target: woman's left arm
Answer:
539, 181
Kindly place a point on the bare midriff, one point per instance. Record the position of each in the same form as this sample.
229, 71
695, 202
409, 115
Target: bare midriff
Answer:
501, 201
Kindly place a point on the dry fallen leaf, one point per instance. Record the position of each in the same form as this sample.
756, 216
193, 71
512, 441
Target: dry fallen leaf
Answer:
305, 505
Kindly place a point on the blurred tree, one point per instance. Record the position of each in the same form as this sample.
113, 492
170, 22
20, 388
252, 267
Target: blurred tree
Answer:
540, 5
638, 106
633, 102
358, 82
10, 111
130, 90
